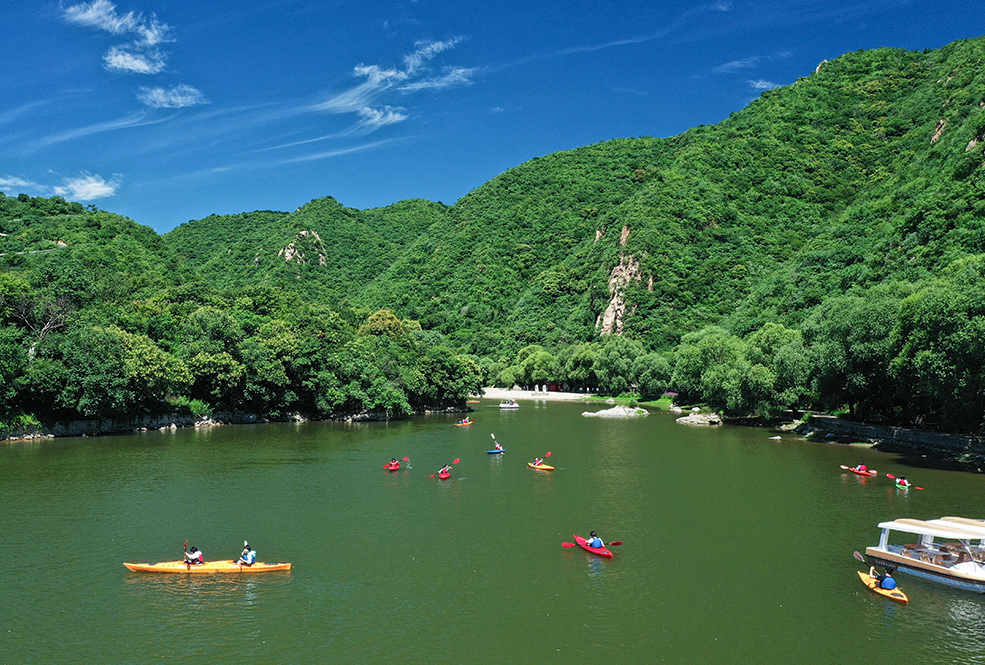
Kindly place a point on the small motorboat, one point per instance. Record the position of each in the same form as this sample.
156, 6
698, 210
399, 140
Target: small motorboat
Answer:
949, 551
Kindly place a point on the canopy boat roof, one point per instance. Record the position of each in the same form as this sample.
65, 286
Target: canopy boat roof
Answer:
938, 528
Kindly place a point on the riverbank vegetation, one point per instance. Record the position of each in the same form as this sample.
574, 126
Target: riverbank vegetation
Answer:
823, 247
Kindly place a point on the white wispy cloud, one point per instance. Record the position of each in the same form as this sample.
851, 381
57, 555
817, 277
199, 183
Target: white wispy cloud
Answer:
452, 76
371, 119
134, 120
362, 99
121, 58
16, 114
427, 51
750, 63
377, 81
102, 14
142, 55
88, 187
178, 96
763, 85
336, 153
13, 181
736, 65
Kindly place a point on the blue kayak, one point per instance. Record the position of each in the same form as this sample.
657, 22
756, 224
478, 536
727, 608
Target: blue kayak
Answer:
494, 452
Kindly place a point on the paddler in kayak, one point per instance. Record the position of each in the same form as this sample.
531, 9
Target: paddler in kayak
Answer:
248, 557
862, 468
498, 446
594, 541
194, 556
538, 461
902, 481
885, 581
445, 469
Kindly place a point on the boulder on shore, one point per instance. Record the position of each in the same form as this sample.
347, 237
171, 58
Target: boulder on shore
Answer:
701, 419
618, 412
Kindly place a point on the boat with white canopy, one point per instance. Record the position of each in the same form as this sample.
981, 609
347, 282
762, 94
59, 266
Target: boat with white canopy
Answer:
949, 550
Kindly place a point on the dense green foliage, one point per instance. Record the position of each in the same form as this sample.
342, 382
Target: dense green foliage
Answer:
822, 247
99, 319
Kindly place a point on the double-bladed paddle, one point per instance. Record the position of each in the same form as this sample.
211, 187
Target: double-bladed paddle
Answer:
871, 472
892, 477
616, 543
457, 459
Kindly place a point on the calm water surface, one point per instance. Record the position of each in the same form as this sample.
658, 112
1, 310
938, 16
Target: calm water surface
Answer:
737, 549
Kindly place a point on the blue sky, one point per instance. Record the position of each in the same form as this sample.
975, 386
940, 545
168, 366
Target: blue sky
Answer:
171, 110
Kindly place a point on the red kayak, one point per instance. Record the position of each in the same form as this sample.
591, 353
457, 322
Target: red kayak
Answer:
393, 467
444, 474
867, 473
601, 551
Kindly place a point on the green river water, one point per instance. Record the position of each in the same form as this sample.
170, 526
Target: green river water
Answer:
737, 548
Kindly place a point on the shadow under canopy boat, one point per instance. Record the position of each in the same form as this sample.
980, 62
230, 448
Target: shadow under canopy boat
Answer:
949, 551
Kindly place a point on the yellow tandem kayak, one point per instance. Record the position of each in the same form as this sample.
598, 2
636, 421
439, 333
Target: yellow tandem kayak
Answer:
208, 568
542, 466
873, 583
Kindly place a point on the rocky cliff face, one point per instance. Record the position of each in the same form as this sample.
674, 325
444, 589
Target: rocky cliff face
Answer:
307, 247
611, 321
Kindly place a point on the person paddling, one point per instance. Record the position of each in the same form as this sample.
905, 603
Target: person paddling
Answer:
885, 581
445, 469
248, 557
194, 556
594, 541
862, 468
902, 481
538, 461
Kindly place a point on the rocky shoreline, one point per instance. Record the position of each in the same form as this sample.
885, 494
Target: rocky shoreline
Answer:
176, 421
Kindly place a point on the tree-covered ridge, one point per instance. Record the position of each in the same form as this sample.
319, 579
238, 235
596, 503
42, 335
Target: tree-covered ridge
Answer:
99, 319
470, 271
323, 249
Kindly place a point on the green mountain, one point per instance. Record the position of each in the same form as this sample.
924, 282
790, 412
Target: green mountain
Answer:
322, 250
823, 246
864, 171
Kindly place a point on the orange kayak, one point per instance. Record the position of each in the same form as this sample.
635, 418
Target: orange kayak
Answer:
208, 568
873, 583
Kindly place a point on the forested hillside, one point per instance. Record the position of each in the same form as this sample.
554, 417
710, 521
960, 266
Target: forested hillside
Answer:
323, 249
824, 246
100, 319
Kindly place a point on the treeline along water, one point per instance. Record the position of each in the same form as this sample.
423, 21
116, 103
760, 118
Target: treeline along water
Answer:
736, 548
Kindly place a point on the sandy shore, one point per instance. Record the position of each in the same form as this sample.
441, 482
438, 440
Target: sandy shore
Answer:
503, 393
